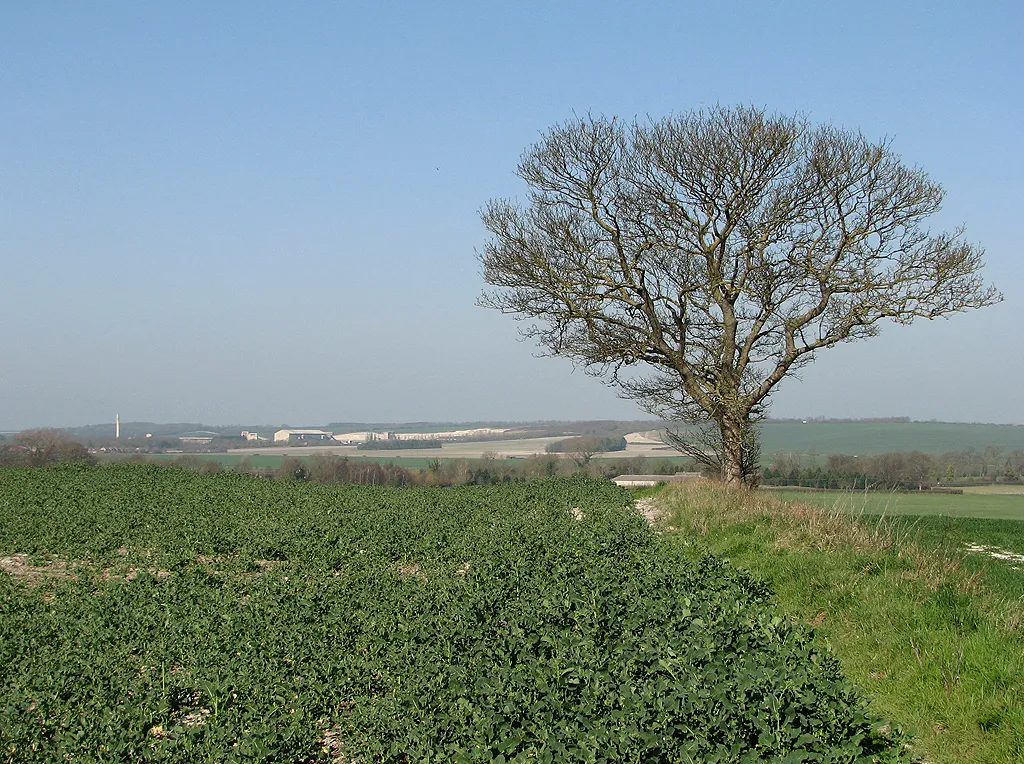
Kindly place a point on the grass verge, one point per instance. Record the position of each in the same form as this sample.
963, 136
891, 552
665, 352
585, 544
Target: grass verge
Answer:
932, 633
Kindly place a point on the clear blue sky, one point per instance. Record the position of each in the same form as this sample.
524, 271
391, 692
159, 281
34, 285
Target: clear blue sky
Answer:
268, 212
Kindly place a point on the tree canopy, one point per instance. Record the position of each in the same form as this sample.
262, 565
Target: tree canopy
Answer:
719, 250
43, 446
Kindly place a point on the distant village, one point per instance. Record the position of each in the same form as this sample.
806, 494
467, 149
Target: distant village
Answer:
302, 437
208, 440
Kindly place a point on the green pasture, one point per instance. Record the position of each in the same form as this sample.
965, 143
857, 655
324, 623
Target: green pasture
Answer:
1004, 489
992, 506
882, 437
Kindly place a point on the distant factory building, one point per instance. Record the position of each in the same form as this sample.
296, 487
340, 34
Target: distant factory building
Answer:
301, 436
200, 437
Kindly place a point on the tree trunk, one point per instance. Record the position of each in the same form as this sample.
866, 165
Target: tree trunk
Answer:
732, 452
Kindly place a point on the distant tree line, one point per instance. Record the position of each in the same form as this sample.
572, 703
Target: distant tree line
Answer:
899, 469
491, 469
41, 447
595, 444
842, 420
583, 449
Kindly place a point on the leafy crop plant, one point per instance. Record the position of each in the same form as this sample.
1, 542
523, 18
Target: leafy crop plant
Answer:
177, 617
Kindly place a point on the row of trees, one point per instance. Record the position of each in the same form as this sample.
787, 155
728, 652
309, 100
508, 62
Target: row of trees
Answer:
584, 448
902, 469
40, 447
489, 470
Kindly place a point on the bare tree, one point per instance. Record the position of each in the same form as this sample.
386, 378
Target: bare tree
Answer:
702, 441
719, 250
291, 468
583, 449
42, 446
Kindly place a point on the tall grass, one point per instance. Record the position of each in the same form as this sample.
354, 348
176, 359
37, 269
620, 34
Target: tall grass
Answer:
938, 647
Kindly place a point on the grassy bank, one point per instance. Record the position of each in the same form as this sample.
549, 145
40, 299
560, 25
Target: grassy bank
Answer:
934, 634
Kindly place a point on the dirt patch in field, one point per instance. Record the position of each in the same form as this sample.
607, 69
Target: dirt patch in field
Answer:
410, 570
133, 573
20, 567
997, 553
333, 745
651, 511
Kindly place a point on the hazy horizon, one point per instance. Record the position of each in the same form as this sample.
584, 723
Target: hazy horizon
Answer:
238, 213
478, 422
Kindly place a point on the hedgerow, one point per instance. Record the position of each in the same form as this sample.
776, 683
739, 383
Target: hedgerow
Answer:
178, 617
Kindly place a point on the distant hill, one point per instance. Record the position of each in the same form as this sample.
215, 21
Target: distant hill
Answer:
157, 429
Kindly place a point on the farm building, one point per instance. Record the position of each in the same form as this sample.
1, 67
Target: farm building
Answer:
479, 433
646, 481
301, 436
200, 437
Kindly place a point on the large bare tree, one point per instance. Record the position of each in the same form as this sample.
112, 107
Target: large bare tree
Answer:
719, 250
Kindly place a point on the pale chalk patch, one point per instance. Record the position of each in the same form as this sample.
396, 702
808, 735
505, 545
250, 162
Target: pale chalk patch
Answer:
996, 553
651, 511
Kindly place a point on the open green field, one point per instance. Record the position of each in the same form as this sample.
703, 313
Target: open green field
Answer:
150, 615
999, 489
882, 437
994, 505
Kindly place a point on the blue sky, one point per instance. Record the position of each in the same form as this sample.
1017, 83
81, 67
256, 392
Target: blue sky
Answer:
266, 212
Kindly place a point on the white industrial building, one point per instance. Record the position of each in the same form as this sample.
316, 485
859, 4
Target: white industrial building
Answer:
289, 436
480, 433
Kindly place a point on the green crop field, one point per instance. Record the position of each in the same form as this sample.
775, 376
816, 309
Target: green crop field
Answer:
149, 614
994, 506
258, 461
882, 437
